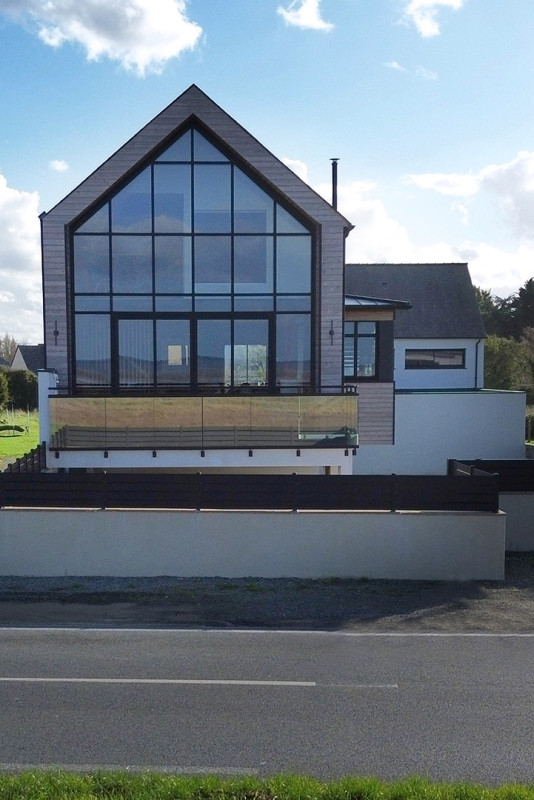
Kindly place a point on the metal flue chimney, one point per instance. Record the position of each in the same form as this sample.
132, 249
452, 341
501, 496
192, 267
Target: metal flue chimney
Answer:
334, 182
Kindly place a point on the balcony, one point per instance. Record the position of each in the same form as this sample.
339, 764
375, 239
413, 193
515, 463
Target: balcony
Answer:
201, 423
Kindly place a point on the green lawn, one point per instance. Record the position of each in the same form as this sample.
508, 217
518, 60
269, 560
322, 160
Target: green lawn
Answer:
15, 444
151, 786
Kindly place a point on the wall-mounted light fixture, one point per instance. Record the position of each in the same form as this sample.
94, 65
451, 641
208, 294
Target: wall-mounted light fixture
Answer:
331, 332
55, 332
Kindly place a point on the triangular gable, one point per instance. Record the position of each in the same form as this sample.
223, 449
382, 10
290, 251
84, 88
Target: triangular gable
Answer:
195, 105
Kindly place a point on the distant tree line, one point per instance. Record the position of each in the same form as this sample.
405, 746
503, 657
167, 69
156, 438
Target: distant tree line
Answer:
509, 348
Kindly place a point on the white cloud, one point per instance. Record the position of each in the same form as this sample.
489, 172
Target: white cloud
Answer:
424, 14
426, 74
304, 14
141, 34
395, 66
58, 165
510, 185
20, 264
298, 167
379, 238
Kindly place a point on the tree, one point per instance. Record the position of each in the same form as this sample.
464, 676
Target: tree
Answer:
4, 390
22, 388
8, 345
506, 363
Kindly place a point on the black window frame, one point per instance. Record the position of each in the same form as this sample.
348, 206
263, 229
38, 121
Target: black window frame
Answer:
434, 364
354, 338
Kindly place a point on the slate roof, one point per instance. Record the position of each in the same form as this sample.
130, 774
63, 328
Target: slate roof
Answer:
33, 355
443, 301
4, 362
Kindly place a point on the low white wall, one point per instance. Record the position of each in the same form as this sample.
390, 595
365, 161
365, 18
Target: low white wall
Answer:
401, 545
431, 427
519, 508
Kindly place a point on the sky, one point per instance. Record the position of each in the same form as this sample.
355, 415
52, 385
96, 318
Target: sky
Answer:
428, 104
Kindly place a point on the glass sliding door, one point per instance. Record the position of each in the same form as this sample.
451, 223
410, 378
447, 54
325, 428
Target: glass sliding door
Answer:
250, 363
135, 352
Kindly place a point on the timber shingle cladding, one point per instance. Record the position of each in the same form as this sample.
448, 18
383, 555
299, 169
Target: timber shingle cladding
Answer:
331, 227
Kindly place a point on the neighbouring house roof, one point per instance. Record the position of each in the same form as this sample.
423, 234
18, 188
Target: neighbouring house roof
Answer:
442, 299
4, 362
33, 356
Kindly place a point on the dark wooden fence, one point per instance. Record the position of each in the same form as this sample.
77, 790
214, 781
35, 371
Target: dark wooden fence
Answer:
514, 474
34, 461
202, 491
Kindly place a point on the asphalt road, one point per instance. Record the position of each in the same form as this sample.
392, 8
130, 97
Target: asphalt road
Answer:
450, 707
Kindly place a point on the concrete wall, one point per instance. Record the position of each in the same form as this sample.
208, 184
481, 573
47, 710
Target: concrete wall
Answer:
469, 377
401, 545
519, 508
431, 427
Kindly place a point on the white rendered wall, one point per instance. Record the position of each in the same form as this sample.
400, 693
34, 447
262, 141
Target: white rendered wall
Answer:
431, 427
469, 377
399, 545
519, 509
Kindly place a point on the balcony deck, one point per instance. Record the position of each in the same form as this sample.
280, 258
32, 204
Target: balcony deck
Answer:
198, 423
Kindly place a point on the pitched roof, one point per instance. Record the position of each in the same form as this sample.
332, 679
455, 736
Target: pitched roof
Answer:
443, 301
4, 362
33, 355
192, 106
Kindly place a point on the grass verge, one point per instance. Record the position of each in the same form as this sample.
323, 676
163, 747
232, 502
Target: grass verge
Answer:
155, 786
14, 445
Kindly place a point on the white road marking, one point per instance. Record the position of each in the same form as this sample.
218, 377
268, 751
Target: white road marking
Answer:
161, 681
201, 682
133, 768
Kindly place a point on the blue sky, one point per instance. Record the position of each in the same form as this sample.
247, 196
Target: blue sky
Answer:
427, 103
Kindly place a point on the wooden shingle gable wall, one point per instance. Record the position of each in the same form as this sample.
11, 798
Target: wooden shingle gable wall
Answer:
331, 227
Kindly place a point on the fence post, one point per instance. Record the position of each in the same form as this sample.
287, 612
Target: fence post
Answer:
198, 502
393, 493
294, 492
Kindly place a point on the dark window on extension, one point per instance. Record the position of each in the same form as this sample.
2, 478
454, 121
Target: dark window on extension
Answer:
435, 359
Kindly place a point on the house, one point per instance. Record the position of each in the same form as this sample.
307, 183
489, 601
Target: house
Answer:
29, 357
199, 316
193, 302
441, 409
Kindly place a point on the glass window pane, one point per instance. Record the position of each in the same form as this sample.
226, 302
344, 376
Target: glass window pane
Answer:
92, 302
172, 261
253, 208
172, 343
367, 328
204, 150
287, 223
293, 349
168, 303
251, 342
179, 151
93, 350
293, 264
253, 264
91, 263
136, 355
293, 303
132, 303
213, 257
215, 303
132, 264
98, 223
172, 198
214, 336
348, 357
366, 357
131, 208
253, 303
212, 198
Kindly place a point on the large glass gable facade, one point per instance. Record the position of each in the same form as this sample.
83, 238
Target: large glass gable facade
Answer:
192, 277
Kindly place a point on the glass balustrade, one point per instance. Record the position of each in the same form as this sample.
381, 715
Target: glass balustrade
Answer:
194, 423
